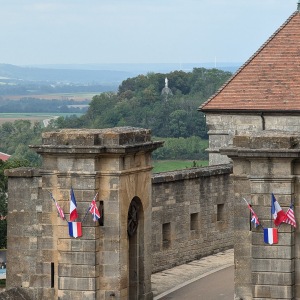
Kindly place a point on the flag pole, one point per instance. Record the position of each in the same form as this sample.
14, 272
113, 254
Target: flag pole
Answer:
271, 211
249, 213
51, 195
86, 214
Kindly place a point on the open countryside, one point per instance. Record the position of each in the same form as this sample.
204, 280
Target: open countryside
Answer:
58, 96
34, 117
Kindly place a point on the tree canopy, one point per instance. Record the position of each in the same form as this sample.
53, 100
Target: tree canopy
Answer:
140, 103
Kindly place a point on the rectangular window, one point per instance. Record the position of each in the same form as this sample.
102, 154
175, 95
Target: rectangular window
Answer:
52, 275
166, 234
194, 224
101, 211
220, 212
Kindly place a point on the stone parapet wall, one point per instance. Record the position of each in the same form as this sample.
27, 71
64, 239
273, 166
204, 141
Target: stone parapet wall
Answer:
192, 215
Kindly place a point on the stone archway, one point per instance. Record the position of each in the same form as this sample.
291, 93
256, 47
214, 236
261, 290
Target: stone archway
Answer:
135, 230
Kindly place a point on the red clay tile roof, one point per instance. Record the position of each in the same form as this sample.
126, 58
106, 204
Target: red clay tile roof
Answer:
4, 156
269, 80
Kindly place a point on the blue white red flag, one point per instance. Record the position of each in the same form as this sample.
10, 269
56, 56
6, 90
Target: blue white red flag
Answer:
73, 206
94, 209
290, 216
277, 213
75, 229
271, 236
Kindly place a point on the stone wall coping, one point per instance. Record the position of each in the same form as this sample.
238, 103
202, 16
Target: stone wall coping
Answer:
267, 139
191, 173
22, 172
94, 150
261, 153
97, 137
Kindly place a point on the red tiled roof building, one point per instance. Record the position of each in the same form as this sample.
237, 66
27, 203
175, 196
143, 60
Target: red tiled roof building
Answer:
4, 156
263, 94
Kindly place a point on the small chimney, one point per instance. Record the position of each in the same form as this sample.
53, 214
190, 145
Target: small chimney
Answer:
298, 5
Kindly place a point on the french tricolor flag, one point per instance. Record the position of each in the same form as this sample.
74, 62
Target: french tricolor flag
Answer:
73, 206
270, 236
75, 229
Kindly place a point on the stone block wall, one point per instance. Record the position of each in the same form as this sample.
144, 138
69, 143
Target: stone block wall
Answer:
191, 218
192, 215
263, 163
30, 232
223, 127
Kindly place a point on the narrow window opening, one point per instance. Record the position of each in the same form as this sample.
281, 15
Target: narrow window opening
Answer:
220, 212
101, 211
52, 275
194, 222
166, 234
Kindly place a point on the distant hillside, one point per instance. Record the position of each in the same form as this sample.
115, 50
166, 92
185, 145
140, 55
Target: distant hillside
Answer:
104, 77
26, 81
144, 68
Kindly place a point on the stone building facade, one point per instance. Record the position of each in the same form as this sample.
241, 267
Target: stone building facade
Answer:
253, 122
265, 163
262, 95
180, 216
106, 262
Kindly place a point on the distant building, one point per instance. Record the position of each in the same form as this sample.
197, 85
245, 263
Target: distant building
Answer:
4, 156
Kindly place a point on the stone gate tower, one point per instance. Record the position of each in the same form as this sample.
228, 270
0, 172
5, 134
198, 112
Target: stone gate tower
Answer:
263, 163
112, 259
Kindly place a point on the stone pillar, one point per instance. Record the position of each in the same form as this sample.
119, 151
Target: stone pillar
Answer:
116, 164
264, 163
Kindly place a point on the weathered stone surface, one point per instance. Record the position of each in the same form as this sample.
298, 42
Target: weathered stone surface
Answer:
15, 294
192, 191
271, 157
273, 278
273, 292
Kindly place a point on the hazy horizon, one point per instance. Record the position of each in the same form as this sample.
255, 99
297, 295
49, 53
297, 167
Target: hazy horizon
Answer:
134, 32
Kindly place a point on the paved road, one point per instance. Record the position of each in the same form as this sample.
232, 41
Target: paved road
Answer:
216, 286
196, 279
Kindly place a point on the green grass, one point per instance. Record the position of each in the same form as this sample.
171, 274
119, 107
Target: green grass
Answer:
2, 283
172, 165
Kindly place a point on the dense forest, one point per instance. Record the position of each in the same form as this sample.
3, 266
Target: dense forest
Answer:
139, 102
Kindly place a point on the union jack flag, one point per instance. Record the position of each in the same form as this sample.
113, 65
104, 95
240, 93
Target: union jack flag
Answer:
290, 216
94, 209
254, 217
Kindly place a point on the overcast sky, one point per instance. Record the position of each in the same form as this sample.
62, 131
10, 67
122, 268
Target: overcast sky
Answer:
136, 31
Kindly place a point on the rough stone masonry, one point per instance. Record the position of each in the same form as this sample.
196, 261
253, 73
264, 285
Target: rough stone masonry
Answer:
263, 163
104, 263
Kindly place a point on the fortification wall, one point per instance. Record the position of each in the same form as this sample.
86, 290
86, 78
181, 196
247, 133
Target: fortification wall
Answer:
192, 215
191, 218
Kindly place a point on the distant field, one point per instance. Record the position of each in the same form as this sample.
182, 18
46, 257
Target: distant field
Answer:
60, 96
172, 165
35, 117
